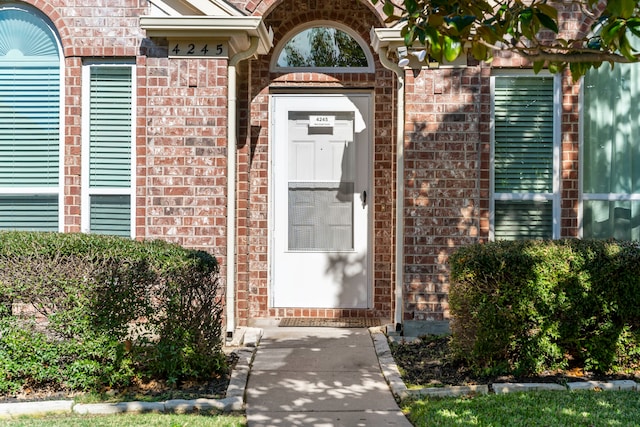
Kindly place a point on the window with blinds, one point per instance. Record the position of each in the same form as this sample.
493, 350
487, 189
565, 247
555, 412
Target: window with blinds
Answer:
525, 157
107, 175
611, 154
29, 121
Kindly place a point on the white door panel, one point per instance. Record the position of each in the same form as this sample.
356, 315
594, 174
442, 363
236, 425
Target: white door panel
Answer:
321, 216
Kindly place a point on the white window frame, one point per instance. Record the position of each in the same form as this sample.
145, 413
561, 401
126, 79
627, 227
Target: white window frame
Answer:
87, 191
45, 190
554, 196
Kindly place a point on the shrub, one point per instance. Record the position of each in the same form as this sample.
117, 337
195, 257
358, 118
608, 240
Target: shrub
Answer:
529, 306
105, 310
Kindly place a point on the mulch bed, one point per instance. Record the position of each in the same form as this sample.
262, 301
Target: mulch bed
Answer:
150, 390
429, 362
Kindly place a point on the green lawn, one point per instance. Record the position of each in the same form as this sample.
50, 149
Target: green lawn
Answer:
545, 408
141, 420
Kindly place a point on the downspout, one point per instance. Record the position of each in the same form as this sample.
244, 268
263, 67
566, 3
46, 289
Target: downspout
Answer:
399, 277
232, 143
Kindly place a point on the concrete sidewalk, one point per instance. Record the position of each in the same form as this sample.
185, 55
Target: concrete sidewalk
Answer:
319, 377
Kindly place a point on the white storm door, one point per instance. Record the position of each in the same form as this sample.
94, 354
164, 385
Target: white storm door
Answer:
321, 201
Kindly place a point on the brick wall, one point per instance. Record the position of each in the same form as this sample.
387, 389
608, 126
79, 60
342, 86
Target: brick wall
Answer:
181, 148
72, 143
186, 149
442, 172
569, 175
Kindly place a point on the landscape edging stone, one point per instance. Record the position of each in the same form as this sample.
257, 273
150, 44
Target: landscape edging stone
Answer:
400, 391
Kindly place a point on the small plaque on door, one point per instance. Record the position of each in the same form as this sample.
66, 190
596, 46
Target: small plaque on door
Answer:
322, 121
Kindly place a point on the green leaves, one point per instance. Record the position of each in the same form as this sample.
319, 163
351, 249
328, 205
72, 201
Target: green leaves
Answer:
536, 305
459, 24
531, 29
622, 8
533, 19
611, 32
613, 36
633, 24
548, 16
98, 293
452, 48
388, 8
547, 21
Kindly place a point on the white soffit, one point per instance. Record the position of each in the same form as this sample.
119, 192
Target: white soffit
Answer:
210, 19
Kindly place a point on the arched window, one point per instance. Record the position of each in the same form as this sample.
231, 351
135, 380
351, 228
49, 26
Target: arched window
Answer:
30, 105
323, 47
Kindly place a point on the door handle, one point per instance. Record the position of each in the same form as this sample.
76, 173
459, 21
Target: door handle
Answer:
364, 198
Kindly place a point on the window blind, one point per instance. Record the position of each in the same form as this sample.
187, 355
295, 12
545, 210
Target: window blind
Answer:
110, 145
110, 214
32, 213
523, 220
523, 150
523, 155
110, 126
29, 123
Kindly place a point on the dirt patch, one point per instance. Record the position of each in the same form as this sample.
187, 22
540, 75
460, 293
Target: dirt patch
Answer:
429, 362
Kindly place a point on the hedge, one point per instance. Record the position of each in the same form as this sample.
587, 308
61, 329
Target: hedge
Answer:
528, 306
102, 311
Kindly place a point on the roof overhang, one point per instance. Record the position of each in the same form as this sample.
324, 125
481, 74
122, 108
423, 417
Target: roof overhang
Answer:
389, 38
237, 30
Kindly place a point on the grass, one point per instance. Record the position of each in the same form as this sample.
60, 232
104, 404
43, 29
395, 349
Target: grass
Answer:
130, 420
543, 408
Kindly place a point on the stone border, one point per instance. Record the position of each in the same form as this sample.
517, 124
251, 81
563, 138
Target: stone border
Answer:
232, 402
400, 391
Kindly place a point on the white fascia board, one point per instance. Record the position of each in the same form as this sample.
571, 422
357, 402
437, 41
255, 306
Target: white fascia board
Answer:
238, 30
386, 37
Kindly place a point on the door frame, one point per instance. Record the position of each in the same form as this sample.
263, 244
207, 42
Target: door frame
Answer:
369, 121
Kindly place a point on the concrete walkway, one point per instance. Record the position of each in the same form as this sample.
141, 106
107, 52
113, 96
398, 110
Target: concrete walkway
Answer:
319, 377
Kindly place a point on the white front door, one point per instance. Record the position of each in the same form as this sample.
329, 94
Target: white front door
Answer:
321, 202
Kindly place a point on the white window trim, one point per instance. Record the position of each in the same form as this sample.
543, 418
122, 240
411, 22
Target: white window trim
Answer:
59, 190
87, 191
557, 155
274, 68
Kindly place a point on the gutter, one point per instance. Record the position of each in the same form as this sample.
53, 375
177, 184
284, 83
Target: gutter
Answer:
232, 143
399, 255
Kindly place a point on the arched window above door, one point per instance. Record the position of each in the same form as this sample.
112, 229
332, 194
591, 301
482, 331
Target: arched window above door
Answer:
324, 47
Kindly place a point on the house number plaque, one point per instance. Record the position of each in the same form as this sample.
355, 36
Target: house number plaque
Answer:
322, 121
198, 49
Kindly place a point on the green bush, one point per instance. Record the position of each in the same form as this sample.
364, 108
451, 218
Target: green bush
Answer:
529, 306
105, 310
